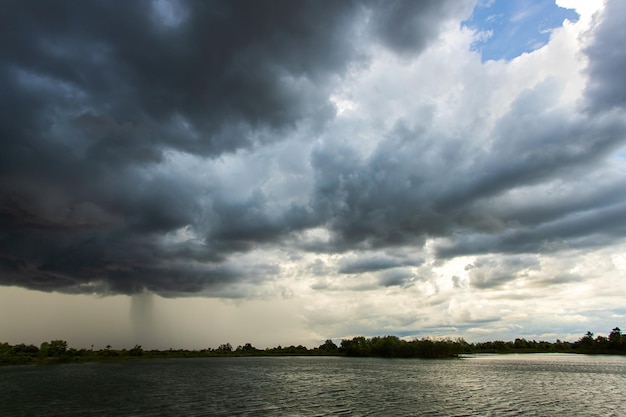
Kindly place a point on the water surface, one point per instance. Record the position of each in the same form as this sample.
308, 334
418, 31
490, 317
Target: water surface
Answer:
483, 385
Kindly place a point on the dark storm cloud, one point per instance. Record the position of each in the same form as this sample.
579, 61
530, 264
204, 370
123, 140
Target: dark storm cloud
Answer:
377, 202
416, 185
96, 95
595, 228
241, 226
607, 56
406, 26
227, 69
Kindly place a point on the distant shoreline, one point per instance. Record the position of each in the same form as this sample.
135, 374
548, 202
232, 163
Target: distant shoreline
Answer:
57, 351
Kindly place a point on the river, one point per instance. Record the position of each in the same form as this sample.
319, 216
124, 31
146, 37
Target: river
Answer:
482, 385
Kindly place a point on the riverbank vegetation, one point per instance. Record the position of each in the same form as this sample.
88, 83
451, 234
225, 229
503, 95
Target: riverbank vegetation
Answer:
57, 351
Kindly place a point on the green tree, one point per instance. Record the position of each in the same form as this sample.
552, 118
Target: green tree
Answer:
615, 339
53, 348
225, 348
328, 347
23, 349
136, 351
108, 351
386, 347
521, 343
357, 346
587, 342
247, 349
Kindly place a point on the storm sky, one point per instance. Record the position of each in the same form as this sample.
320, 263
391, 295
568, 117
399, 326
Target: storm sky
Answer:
180, 173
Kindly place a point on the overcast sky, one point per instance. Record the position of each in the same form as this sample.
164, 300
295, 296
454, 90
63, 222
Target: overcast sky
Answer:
182, 173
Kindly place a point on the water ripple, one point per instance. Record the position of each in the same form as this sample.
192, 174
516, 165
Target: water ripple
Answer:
487, 385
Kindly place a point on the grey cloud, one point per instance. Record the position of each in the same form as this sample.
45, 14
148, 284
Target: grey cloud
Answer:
97, 96
358, 265
573, 196
227, 71
257, 65
378, 202
319, 268
534, 144
399, 277
406, 26
118, 144
416, 185
113, 266
559, 279
493, 272
589, 229
239, 227
456, 282
607, 60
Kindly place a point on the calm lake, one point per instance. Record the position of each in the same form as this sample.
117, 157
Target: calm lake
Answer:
483, 385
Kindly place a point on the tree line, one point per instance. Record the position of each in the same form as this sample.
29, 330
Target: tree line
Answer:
56, 351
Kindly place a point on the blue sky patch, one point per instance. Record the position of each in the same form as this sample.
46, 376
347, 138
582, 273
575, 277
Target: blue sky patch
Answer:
512, 27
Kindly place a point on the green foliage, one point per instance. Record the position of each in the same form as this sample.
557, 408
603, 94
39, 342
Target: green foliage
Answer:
136, 351
247, 349
108, 351
25, 349
380, 346
394, 347
53, 348
358, 346
328, 347
615, 343
225, 348
616, 339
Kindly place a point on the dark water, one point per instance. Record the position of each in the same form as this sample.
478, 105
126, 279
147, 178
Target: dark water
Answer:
510, 385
